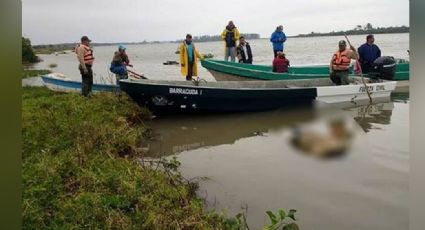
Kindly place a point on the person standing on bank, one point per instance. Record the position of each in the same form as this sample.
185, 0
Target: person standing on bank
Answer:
278, 38
368, 53
230, 35
340, 63
243, 51
189, 58
85, 58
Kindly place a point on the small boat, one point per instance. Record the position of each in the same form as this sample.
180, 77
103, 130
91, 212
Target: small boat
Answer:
162, 96
232, 71
170, 63
59, 82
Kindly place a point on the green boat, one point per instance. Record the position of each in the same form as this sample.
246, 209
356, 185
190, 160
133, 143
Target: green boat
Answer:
232, 71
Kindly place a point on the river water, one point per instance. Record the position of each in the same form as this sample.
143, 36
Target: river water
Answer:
249, 159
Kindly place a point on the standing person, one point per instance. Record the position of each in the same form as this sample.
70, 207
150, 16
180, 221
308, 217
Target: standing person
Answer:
280, 63
243, 51
188, 58
340, 63
230, 35
278, 38
85, 58
119, 63
368, 53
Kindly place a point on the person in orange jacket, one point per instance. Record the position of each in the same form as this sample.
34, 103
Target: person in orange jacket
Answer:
85, 59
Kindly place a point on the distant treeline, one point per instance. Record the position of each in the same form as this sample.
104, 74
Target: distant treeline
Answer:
210, 38
366, 29
49, 49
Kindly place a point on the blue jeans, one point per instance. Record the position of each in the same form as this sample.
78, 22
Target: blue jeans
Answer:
230, 51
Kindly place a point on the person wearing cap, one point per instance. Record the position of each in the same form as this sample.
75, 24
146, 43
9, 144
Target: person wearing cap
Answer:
368, 53
230, 35
340, 63
280, 63
85, 59
277, 39
119, 63
189, 58
243, 51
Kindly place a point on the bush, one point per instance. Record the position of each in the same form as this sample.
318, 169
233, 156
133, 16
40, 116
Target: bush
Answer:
28, 54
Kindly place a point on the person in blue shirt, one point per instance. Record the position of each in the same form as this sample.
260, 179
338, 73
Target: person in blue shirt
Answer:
368, 53
278, 38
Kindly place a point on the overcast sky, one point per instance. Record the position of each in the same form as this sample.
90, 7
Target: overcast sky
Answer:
58, 21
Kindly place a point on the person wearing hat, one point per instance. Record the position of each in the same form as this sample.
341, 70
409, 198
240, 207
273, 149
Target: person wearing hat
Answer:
119, 63
85, 59
189, 58
277, 39
368, 53
340, 63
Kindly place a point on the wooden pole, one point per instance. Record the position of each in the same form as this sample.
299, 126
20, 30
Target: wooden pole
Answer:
360, 70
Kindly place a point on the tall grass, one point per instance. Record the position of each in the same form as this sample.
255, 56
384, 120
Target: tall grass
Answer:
80, 169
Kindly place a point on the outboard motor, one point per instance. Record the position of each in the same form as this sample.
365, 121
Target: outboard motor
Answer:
383, 68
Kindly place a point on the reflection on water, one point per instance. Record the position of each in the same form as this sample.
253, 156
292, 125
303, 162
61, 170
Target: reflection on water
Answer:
374, 114
249, 159
181, 133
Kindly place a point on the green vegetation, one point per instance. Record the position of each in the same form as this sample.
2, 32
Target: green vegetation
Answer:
366, 29
81, 168
34, 72
57, 48
278, 221
28, 54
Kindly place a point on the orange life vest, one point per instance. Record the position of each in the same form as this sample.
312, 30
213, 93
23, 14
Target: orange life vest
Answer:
88, 54
341, 60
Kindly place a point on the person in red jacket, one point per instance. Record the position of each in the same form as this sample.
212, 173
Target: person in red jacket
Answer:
280, 63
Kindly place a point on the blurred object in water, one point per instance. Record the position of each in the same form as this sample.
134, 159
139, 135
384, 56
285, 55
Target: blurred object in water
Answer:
333, 144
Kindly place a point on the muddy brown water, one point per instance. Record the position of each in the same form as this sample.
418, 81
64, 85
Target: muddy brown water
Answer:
248, 160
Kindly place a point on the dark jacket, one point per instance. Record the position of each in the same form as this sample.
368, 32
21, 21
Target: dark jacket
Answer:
120, 59
239, 51
367, 55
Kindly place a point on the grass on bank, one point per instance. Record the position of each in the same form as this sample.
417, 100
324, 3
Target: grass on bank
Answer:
80, 169
34, 72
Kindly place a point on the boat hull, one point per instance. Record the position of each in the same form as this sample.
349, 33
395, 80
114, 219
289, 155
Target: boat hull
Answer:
165, 98
355, 92
58, 82
229, 71
236, 96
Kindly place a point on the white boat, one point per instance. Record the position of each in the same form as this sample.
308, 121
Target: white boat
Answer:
59, 82
356, 91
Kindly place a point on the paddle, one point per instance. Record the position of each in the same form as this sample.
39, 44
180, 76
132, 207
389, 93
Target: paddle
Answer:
136, 75
360, 70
